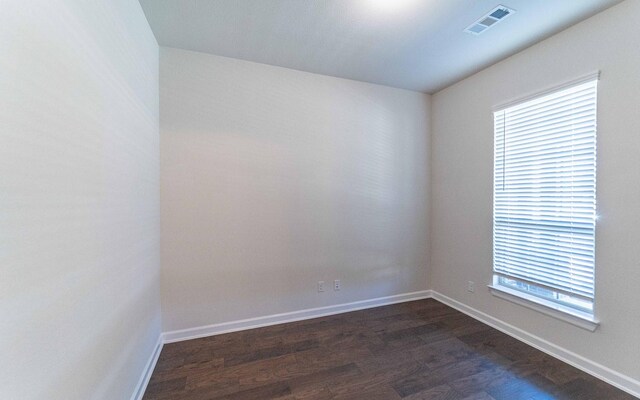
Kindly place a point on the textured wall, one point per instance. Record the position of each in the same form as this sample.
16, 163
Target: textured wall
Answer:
79, 199
462, 171
274, 179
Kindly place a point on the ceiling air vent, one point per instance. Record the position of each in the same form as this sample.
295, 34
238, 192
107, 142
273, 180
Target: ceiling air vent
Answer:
496, 15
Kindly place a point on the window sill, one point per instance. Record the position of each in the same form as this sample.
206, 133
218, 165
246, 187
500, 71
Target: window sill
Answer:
546, 307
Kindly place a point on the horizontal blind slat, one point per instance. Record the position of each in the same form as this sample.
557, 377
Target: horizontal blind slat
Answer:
544, 190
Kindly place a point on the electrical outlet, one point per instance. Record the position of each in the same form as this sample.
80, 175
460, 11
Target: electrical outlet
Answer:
320, 286
336, 285
471, 287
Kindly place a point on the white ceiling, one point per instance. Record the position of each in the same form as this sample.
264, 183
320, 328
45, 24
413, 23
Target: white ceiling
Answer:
411, 44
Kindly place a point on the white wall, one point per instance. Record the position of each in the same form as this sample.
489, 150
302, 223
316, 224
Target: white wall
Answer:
273, 179
79, 198
462, 149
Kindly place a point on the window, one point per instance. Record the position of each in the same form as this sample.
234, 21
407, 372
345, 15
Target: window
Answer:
545, 199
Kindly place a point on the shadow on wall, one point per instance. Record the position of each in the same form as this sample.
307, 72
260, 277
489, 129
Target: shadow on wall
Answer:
120, 329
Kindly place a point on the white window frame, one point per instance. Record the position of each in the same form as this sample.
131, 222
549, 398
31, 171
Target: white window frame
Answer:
556, 309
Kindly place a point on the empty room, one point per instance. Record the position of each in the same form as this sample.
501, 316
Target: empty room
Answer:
320, 199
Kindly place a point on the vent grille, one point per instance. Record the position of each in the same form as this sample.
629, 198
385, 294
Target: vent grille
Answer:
491, 19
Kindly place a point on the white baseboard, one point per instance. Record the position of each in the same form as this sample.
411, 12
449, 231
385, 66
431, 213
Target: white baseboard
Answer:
138, 393
621, 381
234, 326
599, 371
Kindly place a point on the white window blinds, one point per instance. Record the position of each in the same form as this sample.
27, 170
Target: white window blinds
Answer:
545, 195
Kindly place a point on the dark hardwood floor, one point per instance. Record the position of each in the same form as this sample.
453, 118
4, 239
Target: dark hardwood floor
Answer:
416, 350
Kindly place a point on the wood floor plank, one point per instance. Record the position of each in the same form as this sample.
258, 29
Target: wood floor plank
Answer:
421, 350
442, 392
535, 387
440, 376
270, 352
